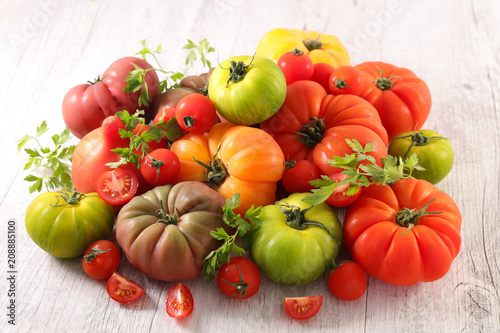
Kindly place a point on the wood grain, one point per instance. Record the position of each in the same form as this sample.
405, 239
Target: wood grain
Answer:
49, 46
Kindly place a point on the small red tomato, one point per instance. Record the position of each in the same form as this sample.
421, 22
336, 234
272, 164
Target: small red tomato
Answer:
347, 281
179, 302
240, 278
297, 176
302, 308
117, 186
296, 66
196, 113
101, 259
341, 196
321, 74
160, 167
122, 289
111, 130
346, 80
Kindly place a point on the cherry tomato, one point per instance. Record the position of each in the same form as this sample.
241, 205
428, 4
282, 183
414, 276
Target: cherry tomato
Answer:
346, 80
297, 176
117, 186
101, 259
347, 281
160, 167
122, 289
179, 301
165, 115
296, 66
240, 278
340, 196
196, 113
111, 130
302, 308
321, 74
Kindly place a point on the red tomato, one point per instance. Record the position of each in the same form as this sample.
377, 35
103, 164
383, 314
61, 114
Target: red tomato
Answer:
321, 74
122, 289
297, 176
405, 233
402, 100
296, 66
164, 115
240, 278
346, 80
196, 113
111, 130
303, 307
160, 167
117, 186
101, 259
86, 105
339, 197
347, 281
179, 302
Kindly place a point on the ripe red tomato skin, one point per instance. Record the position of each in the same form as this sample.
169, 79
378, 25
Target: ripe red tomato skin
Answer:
321, 74
295, 67
230, 273
122, 289
296, 179
179, 301
200, 108
339, 198
312, 305
353, 80
167, 172
348, 281
111, 130
104, 264
108, 180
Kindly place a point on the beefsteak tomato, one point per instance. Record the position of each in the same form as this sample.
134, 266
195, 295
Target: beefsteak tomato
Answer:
402, 100
296, 242
318, 46
85, 106
233, 159
405, 233
165, 233
312, 125
247, 90
65, 223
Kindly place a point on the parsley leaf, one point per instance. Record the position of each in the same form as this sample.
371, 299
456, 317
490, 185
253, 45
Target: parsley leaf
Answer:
244, 227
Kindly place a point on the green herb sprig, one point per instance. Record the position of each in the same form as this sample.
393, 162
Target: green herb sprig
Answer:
365, 174
136, 78
244, 228
54, 163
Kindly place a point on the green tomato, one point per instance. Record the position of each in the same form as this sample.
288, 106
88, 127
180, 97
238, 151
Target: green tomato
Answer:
434, 153
247, 90
296, 242
64, 224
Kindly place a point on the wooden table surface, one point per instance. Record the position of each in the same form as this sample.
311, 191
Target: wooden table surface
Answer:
49, 46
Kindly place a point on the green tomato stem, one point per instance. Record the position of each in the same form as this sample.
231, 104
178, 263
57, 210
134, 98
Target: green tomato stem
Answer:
312, 133
409, 217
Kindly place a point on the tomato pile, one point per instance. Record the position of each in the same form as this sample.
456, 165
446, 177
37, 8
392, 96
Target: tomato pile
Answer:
264, 149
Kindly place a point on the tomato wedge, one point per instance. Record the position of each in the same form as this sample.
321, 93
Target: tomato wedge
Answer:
179, 301
117, 186
122, 289
302, 308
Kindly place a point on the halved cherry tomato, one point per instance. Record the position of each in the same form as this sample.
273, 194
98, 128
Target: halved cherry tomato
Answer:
297, 176
340, 197
347, 281
122, 289
101, 259
117, 186
179, 301
240, 278
302, 308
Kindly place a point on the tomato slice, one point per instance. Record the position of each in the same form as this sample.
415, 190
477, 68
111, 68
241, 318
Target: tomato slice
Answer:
302, 308
117, 186
179, 301
122, 289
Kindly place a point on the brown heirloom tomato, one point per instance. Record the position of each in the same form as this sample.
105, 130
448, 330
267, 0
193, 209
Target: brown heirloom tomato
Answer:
165, 233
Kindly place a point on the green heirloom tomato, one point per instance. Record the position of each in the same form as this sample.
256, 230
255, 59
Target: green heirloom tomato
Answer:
434, 153
247, 90
165, 233
65, 223
296, 242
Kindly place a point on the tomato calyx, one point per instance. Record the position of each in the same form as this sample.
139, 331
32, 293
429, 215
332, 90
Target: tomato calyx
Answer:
237, 71
157, 164
313, 44
94, 252
296, 218
311, 134
70, 199
98, 78
417, 139
241, 286
340, 84
385, 83
216, 171
409, 217
297, 52
164, 217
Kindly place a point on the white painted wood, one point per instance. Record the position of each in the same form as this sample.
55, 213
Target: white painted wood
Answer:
46, 47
